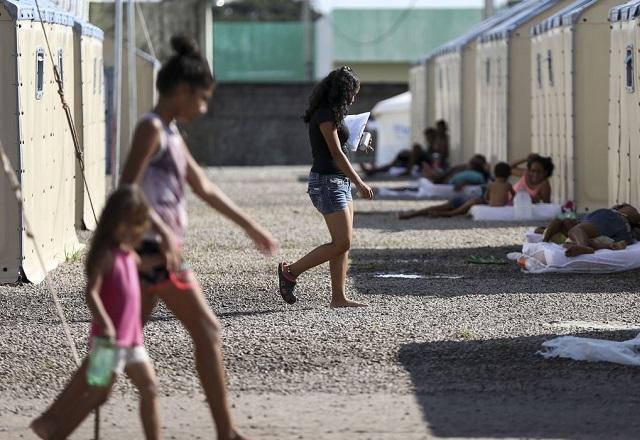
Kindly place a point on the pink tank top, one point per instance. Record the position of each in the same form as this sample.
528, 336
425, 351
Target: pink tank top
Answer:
522, 184
164, 180
120, 294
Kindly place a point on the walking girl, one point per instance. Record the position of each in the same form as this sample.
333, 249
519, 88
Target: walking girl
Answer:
113, 296
330, 183
161, 163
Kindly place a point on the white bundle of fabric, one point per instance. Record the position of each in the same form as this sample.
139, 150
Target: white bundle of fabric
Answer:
540, 257
425, 189
598, 350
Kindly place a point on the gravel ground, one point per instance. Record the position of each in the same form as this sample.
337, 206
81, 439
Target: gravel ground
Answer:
451, 354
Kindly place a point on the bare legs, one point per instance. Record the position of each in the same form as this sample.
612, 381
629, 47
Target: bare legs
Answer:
191, 308
336, 252
71, 407
144, 378
426, 211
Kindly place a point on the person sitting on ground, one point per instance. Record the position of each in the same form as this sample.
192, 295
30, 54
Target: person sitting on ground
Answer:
498, 193
402, 165
600, 229
442, 142
534, 179
473, 172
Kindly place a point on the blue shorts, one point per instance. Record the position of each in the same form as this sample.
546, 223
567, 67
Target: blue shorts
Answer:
610, 223
329, 192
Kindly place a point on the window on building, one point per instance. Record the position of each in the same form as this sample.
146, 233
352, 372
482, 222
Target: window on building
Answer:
630, 82
95, 75
61, 64
550, 66
487, 66
539, 69
39, 73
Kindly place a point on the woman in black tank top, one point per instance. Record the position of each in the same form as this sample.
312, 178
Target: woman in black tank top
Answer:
330, 183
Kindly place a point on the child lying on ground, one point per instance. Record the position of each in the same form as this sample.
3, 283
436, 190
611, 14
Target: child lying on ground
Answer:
498, 193
600, 229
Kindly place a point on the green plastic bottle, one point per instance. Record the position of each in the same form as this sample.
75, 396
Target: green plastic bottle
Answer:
101, 361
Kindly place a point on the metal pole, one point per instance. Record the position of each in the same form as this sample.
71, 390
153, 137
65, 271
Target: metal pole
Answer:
131, 63
117, 94
488, 8
308, 38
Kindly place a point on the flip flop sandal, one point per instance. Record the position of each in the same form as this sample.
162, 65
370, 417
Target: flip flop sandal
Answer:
487, 259
287, 287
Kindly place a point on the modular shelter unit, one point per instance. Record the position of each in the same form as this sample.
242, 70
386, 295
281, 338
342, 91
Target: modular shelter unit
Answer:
503, 83
35, 134
421, 87
393, 119
569, 65
90, 123
455, 88
624, 105
147, 68
417, 88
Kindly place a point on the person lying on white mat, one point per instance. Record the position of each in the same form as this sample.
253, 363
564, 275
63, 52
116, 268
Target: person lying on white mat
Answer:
601, 229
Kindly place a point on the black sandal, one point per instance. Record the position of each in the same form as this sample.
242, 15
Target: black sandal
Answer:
287, 286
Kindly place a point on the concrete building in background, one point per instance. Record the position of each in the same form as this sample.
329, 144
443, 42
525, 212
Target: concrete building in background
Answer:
381, 44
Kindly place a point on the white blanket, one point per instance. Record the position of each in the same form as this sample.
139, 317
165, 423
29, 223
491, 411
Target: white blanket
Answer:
583, 349
540, 257
541, 211
425, 189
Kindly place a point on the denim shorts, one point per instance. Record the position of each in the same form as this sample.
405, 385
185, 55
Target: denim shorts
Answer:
329, 192
611, 224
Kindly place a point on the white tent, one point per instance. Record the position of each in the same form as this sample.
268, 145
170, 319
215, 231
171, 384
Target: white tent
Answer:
393, 118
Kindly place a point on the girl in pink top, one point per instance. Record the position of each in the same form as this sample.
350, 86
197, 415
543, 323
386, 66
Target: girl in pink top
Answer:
113, 296
535, 178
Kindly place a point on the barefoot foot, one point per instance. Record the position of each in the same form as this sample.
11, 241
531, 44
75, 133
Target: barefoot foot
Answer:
618, 246
345, 303
575, 250
42, 428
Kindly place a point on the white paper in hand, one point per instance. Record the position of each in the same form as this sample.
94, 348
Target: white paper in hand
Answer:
356, 125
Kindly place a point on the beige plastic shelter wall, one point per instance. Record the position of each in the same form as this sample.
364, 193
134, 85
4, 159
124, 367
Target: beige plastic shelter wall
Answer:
551, 88
41, 148
10, 224
624, 114
491, 114
503, 121
90, 125
431, 93
146, 73
468, 100
418, 89
448, 99
568, 123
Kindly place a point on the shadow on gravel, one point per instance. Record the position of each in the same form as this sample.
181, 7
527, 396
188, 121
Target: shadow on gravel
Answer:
447, 274
387, 221
500, 388
236, 314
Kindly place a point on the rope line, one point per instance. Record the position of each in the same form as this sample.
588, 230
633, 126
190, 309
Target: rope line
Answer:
67, 112
80, 160
15, 187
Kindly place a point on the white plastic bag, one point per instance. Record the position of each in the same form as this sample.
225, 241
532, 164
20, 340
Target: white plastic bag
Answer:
597, 350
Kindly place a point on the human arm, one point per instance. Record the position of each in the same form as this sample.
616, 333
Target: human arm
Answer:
516, 170
214, 197
330, 134
543, 193
94, 302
